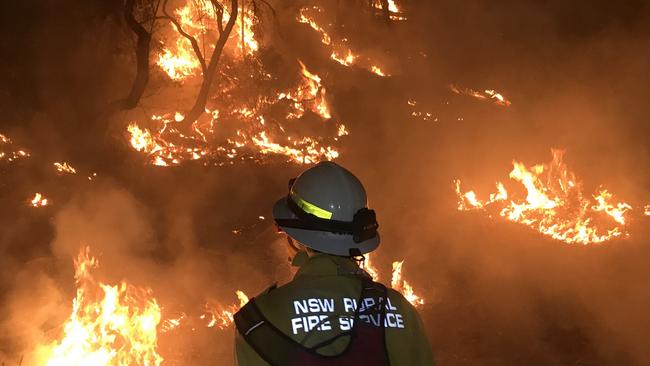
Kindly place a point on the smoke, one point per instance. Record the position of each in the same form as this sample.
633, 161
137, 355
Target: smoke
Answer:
497, 294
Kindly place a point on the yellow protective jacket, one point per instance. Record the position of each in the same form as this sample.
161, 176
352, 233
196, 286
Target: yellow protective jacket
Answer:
318, 305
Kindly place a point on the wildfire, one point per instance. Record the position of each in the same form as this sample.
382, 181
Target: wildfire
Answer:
235, 127
110, 325
177, 58
370, 268
393, 9
39, 200
554, 204
646, 210
488, 94
65, 168
397, 282
346, 60
8, 152
400, 284
221, 317
340, 52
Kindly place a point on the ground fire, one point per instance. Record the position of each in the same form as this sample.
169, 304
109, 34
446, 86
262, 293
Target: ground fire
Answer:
261, 126
110, 325
555, 204
161, 132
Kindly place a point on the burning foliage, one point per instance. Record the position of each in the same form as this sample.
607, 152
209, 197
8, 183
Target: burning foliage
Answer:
234, 125
38, 200
340, 49
9, 152
488, 94
555, 204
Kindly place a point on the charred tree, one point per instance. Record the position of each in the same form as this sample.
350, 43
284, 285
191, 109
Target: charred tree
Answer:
208, 75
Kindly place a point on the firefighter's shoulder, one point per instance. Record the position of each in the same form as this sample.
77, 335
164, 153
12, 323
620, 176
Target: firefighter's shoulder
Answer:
272, 287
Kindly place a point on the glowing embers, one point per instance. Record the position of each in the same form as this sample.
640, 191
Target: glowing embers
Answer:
275, 124
213, 315
220, 316
10, 153
398, 283
340, 51
64, 168
393, 10
39, 200
110, 325
488, 94
554, 205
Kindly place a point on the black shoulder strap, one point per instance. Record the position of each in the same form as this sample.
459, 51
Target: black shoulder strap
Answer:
268, 341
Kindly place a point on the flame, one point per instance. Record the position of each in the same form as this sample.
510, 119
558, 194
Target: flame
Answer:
39, 200
488, 94
303, 17
177, 58
64, 168
110, 325
8, 152
554, 204
377, 71
397, 282
340, 52
370, 269
346, 60
221, 317
646, 210
259, 130
393, 9
401, 285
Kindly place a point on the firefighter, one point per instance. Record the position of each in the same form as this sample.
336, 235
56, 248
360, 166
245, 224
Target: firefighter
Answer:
331, 313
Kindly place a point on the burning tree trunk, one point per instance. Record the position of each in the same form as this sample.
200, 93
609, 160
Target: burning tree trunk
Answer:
208, 75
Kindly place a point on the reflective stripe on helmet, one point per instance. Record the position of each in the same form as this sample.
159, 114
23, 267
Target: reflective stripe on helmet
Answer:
311, 208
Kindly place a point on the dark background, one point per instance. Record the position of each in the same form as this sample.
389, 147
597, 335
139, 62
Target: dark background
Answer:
577, 73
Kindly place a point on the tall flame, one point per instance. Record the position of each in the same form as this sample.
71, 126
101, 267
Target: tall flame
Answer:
110, 325
554, 204
401, 285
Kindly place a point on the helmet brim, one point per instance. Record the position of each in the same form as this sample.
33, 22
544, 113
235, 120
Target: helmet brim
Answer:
322, 241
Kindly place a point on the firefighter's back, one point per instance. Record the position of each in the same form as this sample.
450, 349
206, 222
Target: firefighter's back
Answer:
317, 312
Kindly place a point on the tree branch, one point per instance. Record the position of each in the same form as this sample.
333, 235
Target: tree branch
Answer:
208, 76
179, 28
142, 48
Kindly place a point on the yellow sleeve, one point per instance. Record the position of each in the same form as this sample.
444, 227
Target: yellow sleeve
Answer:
245, 355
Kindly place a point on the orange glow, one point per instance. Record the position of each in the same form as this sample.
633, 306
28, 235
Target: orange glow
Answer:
8, 152
65, 168
401, 285
346, 60
220, 316
398, 283
39, 200
554, 204
370, 269
110, 325
489, 94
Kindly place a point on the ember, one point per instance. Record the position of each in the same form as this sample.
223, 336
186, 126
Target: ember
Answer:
8, 152
554, 205
488, 94
39, 200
